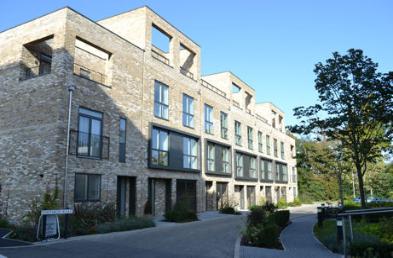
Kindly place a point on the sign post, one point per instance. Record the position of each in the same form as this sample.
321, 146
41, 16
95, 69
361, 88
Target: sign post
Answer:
50, 224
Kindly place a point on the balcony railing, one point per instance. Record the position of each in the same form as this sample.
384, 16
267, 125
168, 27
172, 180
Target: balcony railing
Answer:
34, 71
160, 57
88, 145
89, 74
236, 104
187, 73
261, 118
213, 88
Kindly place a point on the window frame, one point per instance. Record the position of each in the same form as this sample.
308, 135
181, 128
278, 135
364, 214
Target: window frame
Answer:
260, 141
241, 158
208, 124
282, 150
158, 150
250, 137
275, 147
90, 118
209, 158
188, 115
268, 145
161, 105
224, 125
87, 175
238, 133
122, 155
190, 155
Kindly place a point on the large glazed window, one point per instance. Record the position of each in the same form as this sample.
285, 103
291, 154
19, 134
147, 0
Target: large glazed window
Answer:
226, 165
188, 111
238, 133
250, 138
253, 168
190, 153
161, 104
239, 165
260, 142
268, 151
282, 149
159, 147
90, 133
211, 152
208, 119
87, 187
224, 125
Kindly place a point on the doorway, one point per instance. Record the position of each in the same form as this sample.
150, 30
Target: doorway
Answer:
126, 196
186, 193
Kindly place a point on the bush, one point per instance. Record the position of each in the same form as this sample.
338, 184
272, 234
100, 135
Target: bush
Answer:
24, 232
228, 210
297, 202
282, 203
281, 218
181, 213
269, 207
263, 235
4, 223
365, 250
257, 215
227, 206
125, 224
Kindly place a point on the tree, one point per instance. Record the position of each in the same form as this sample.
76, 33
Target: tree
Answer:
355, 108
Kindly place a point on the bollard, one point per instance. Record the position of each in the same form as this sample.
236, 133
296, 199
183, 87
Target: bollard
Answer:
339, 224
319, 216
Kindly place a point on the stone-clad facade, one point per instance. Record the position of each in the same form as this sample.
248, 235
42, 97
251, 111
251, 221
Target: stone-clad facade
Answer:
115, 68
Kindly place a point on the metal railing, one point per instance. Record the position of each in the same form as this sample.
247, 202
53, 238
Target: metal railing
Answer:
261, 118
33, 72
88, 145
186, 72
213, 88
236, 104
160, 57
89, 74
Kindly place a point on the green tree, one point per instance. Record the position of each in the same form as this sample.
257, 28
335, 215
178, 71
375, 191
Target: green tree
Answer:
355, 108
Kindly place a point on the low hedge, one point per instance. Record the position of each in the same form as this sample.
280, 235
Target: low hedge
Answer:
263, 235
228, 210
180, 213
281, 218
366, 250
125, 224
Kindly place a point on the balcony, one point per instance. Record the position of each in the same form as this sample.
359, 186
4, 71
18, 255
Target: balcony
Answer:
87, 145
155, 53
213, 88
187, 73
34, 71
89, 74
236, 104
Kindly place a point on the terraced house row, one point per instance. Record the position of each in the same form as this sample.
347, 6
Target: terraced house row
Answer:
117, 111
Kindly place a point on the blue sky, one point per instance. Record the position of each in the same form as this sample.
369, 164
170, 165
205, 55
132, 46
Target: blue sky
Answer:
272, 45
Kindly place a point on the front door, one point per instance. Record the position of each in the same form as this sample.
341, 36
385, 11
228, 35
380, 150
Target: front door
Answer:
209, 195
250, 196
268, 194
186, 193
222, 194
239, 193
126, 192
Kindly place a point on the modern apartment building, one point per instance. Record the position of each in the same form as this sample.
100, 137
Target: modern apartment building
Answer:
145, 129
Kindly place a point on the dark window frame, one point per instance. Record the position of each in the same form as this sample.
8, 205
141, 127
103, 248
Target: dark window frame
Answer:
208, 125
90, 117
250, 137
260, 141
190, 155
159, 151
238, 133
161, 105
186, 113
224, 125
87, 188
122, 148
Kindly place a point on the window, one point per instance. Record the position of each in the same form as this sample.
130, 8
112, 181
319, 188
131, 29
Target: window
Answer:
159, 147
260, 142
226, 167
239, 165
281, 172
275, 148
190, 153
89, 135
253, 168
268, 145
122, 140
208, 119
250, 138
211, 157
294, 179
87, 187
268, 165
238, 133
188, 111
161, 100
282, 150
293, 151
224, 125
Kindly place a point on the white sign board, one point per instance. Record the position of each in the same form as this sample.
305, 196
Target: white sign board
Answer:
51, 226
57, 212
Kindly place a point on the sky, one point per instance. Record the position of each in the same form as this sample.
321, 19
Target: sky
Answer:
272, 45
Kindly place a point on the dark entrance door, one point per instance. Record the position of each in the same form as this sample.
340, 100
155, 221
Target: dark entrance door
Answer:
186, 193
221, 189
209, 195
268, 194
250, 196
239, 192
159, 196
126, 192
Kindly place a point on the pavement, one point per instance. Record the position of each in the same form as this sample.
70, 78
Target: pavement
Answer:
214, 236
297, 239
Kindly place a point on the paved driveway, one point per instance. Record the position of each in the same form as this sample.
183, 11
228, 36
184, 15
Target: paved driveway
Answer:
204, 239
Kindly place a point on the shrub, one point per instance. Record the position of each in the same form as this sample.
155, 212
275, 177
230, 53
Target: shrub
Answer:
282, 203
269, 207
125, 224
25, 232
181, 213
227, 206
4, 223
263, 235
257, 215
281, 218
228, 210
297, 201
365, 250
262, 201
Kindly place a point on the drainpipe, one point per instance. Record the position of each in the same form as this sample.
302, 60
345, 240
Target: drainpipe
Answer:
71, 89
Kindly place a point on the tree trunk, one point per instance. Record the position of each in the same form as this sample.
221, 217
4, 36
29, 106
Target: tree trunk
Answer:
361, 185
340, 187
